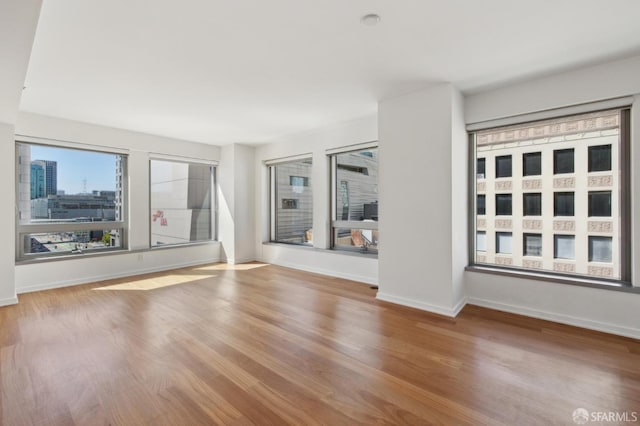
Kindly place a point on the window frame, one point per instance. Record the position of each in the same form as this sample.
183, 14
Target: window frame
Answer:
624, 283
24, 229
336, 224
214, 199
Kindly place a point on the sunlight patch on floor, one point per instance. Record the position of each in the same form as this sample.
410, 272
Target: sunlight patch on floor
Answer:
155, 283
229, 267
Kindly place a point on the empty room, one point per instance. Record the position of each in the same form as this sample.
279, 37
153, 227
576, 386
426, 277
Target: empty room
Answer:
330, 212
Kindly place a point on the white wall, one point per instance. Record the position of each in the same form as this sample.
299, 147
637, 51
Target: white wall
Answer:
611, 311
236, 201
36, 276
317, 259
423, 232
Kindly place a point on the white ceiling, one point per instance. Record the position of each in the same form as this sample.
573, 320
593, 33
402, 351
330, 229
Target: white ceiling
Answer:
251, 71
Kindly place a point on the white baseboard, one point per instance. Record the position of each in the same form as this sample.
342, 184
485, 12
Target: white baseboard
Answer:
241, 260
86, 280
556, 317
322, 271
442, 310
9, 301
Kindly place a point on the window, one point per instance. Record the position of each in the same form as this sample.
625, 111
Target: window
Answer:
564, 246
480, 168
481, 205
298, 180
599, 158
503, 166
600, 249
70, 201
503, 205
292, 202
503, 242
289, 203
354, 222
563, 204
181, 202
532, 164
569, 212
532, 245
532, 204
481, 241
563, 161
600, 203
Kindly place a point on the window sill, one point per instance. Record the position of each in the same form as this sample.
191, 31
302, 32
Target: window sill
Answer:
321, 250
112, 252
604, 284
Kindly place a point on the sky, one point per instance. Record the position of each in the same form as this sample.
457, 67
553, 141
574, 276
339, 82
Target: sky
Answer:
99, 169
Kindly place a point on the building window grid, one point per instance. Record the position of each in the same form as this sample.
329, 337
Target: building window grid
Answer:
564, 164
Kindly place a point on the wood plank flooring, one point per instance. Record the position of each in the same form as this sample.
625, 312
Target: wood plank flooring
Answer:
261, 344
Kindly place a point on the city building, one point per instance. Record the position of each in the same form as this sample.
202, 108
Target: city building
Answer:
50, 169
37, 180
399, 212
99, 206
548, 196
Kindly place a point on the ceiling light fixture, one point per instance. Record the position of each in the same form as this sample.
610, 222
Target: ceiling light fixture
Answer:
370, 20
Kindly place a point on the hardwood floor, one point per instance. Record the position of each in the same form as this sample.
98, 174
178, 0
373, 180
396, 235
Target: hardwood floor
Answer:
268, 345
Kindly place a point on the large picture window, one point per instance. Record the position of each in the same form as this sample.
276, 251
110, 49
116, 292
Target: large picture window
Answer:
574, 193
70, 200
292, 202
182, 199
355, 201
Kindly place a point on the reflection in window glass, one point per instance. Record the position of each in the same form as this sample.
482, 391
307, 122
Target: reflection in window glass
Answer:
356, 200
600, 249
293, 192
503, 242
181, 202
564, 247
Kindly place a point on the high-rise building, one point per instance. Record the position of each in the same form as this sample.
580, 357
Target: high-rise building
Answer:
50, 176
37, 183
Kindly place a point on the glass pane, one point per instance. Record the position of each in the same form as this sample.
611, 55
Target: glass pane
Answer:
600, 249
362, 240
532, 204
503, 204
58, 185
503, 242
600, 204
599, 158
532, 244
357, 190
70, 242
564, 246
481, 241
480, 168
563, 161
294, 202
481, 204
563, 204
503, 166
181, 202
532, 164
